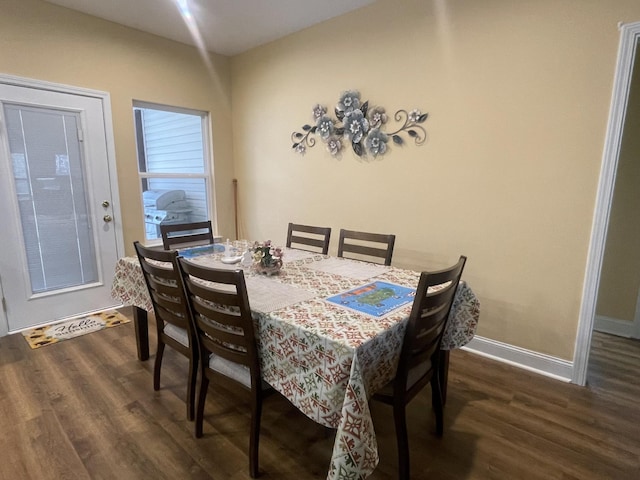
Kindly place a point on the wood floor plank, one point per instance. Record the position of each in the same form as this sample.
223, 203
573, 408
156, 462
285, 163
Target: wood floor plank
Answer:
48, 442
85, 408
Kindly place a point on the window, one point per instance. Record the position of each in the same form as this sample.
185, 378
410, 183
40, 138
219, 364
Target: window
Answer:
174, 173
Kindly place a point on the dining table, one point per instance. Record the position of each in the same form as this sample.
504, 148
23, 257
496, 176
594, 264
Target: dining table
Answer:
329, 333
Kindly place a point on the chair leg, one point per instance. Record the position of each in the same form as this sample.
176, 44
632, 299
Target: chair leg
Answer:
191, 387
399, 417
443, 371
436, 400
254, 438
202, 397
158, 365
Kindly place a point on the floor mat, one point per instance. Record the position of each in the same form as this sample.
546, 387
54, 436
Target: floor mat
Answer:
81, 325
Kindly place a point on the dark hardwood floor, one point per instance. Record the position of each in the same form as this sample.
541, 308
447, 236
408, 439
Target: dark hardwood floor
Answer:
85, 409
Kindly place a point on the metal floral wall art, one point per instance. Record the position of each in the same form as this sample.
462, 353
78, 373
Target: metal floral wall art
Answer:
359, 125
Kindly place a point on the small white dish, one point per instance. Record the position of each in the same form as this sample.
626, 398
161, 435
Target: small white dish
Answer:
231, 260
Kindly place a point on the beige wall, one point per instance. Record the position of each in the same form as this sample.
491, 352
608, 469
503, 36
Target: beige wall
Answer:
47, 42
518, 95
620, 278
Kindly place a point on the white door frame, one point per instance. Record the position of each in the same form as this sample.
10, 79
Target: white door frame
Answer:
629, 37
105, 100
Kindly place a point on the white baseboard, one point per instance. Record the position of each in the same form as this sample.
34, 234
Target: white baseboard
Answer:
614, 326
519, 357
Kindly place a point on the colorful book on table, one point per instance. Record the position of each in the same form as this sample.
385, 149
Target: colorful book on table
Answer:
376, 299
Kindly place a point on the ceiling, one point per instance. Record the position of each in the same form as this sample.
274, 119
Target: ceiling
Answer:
227, 27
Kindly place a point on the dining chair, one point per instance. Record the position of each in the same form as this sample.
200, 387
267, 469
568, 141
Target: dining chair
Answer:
227, 342
309, 236
172, 314
192, 233
366, 246
419, 359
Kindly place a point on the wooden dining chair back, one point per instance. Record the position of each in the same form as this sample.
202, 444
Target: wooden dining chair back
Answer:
309, 237
366, 246
420, 355
226, 338
183, 234
172, 314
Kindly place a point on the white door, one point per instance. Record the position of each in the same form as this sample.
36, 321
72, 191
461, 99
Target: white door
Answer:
60, 242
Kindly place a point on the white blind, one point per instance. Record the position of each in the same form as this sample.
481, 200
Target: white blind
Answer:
49, 178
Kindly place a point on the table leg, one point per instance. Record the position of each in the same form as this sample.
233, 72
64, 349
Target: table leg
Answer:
444, 373
141, 326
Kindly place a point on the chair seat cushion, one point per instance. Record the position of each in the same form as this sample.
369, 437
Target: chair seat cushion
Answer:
415, 374
177, 333
235, 371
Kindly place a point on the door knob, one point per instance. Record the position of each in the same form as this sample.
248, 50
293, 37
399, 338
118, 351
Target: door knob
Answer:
105, 204
107, 218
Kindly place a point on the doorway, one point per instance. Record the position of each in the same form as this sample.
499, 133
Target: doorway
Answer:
629, 39
57, 188
617, 308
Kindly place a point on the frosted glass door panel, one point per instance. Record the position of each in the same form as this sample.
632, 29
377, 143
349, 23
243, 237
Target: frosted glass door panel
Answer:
49, 177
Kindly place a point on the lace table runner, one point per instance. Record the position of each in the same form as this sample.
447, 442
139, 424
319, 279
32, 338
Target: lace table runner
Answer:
293, 254
267, 294
348, 268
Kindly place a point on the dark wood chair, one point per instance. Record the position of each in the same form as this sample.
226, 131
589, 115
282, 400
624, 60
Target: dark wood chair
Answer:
366, 246
227, 341
194, 233
172, 314
420, 355
309, 236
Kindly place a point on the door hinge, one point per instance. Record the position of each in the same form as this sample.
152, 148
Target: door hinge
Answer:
80, 135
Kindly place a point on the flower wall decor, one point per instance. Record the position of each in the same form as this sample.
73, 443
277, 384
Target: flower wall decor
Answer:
359, 125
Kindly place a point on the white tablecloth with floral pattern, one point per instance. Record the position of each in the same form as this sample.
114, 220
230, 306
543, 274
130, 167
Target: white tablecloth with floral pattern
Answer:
325, 359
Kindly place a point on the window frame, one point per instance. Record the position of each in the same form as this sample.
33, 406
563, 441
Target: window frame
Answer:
207, 154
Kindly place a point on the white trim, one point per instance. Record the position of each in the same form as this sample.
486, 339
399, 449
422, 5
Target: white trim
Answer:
626, 53
4, 322
522, 358
635, 330
614, 326
50, 86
